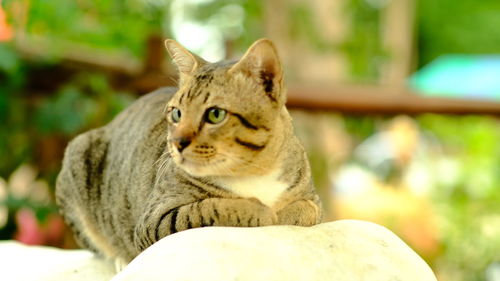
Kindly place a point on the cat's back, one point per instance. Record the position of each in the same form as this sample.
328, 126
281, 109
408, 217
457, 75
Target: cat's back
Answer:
101, 164
145, 110
135, 134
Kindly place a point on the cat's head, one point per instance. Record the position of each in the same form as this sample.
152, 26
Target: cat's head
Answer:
227, 118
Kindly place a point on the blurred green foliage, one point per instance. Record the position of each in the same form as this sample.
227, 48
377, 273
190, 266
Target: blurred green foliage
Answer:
304, 27
86, 101
463, 27
468, 201
363, 46
114, 24
14, 141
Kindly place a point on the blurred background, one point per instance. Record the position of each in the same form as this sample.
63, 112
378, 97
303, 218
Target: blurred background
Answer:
396, 101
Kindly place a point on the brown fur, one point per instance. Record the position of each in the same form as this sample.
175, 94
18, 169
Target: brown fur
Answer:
126, 185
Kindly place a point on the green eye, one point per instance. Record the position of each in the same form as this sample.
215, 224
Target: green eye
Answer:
176, 115
215, 115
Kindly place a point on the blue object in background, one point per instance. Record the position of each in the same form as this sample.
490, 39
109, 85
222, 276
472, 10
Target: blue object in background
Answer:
460, 76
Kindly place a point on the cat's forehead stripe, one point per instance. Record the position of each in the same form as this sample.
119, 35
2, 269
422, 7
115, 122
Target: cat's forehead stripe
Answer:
198, 89
191, 93
207, 76
182, 97
196, 94
207, 95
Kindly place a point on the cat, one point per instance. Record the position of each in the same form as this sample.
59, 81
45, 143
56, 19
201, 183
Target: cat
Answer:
218, 151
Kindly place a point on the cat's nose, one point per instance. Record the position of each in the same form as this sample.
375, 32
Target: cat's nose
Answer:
181, 143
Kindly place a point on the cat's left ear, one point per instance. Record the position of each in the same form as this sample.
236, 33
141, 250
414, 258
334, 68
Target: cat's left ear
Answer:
261, 63
185, 60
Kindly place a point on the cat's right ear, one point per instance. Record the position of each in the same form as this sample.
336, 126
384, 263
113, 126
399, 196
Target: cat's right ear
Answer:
185, 60
262, 64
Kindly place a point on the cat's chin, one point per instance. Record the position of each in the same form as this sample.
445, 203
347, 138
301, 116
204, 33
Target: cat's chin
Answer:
195, 171
201, 172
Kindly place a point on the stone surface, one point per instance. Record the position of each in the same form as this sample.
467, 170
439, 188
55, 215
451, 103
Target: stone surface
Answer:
341, 250
28, 263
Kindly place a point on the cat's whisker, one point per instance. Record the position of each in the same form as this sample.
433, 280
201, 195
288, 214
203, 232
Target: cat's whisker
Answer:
165, 109
162, 168
164, 158
160, 158
173, 80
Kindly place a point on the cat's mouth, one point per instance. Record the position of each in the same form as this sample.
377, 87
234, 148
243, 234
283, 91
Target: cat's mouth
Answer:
200, 167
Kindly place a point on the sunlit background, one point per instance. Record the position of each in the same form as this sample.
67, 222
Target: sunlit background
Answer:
397, 103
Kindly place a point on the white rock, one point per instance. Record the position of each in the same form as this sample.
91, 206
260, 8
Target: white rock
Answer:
26, 263
342, 250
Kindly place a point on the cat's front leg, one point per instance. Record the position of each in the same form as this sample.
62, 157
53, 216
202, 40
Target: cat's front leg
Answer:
301, 212
164, 220
225, 212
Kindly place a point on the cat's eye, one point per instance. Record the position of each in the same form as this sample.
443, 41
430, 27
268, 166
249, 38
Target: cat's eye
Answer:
175, 114
215, 115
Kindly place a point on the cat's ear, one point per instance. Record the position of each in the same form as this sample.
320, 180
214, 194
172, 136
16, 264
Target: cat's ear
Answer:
261, 62
185, 60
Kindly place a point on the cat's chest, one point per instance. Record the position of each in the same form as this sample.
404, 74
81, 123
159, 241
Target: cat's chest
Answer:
266, 188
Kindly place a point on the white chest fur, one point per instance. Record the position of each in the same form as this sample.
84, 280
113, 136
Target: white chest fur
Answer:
266, 188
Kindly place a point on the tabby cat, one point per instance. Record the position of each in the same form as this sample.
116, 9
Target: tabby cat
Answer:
218, 151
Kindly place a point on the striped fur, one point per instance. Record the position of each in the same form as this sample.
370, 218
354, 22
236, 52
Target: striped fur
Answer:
126, 185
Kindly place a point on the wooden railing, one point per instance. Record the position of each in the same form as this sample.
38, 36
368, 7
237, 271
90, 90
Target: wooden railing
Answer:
154, 73
377, 99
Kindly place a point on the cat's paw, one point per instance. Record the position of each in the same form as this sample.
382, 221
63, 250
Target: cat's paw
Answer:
262, 214
267, 219
302, 212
